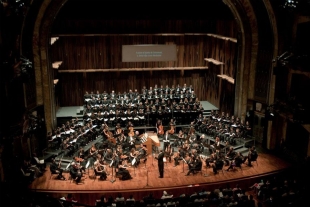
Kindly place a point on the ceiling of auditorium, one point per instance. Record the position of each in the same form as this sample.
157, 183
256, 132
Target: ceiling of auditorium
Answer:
91, 11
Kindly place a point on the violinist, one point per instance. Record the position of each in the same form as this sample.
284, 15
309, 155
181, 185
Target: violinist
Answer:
93, 150
186, 146
55, 169
166, 139
108, 155
179, 141
236, 162
169, 152
216, 146
81, 158
142, 153
100, 170
75, 172
133, 156
123, 172
179, 155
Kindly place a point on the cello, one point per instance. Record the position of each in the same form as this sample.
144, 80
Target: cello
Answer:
161, 130
131, 132
171, 130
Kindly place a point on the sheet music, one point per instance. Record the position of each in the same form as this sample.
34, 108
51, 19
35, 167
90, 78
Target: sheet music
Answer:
73, 141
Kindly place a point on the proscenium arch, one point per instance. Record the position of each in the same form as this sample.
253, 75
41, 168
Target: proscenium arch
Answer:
245, 72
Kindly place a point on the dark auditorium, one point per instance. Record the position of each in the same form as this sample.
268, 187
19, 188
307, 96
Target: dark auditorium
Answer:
125, 103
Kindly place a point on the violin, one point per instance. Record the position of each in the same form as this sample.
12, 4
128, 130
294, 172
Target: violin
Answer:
78, 159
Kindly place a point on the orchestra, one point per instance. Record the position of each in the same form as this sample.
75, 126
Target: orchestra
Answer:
114, 118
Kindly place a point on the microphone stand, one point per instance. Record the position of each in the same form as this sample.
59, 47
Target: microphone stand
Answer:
147, 178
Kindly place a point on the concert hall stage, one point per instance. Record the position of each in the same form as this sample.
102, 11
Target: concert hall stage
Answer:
145, 180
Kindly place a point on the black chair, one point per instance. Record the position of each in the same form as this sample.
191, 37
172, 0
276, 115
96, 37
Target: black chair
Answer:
198, 168
53, 173
220, 167
254, 159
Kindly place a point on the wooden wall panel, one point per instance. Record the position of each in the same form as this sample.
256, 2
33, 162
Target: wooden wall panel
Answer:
101, 52
104, 52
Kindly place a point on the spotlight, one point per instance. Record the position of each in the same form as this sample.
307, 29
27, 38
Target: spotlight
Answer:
292, 4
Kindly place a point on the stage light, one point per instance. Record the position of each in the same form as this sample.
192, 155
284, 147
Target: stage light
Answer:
291, 4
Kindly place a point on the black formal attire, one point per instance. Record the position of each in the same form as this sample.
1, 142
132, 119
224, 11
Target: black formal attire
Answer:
160, 159
56, 170
166, 140
76, 173
195, 166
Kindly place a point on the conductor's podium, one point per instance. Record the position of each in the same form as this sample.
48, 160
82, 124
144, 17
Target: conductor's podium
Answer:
149, 139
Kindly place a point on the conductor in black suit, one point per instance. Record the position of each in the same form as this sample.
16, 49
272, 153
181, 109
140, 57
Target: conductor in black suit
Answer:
160, 159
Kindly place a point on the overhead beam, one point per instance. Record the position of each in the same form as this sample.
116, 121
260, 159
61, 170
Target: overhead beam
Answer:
130, 69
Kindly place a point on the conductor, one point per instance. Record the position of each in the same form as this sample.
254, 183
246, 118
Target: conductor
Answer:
160, 159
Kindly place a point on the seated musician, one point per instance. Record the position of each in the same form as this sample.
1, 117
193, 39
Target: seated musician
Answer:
230, 155
100, 170
139, 137
210, 160
236, 162
92, 154
75, 172
192, 138
180, 138
195, 165
177, 157
132, 156
142, 153
186, 146
55, 169
216, 145
123, 173
218, 165
108, 155
231, 136
169, 152
252, 156
67, 148
131, 141
166, 139
37, 162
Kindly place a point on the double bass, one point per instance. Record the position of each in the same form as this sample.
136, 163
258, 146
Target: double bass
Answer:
108, 134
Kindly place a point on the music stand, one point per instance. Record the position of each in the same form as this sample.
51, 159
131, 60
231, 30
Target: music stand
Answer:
153, 158
147, 178
184, 161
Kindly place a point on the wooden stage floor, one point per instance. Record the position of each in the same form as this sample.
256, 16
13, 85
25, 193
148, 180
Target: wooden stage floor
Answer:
145, 177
